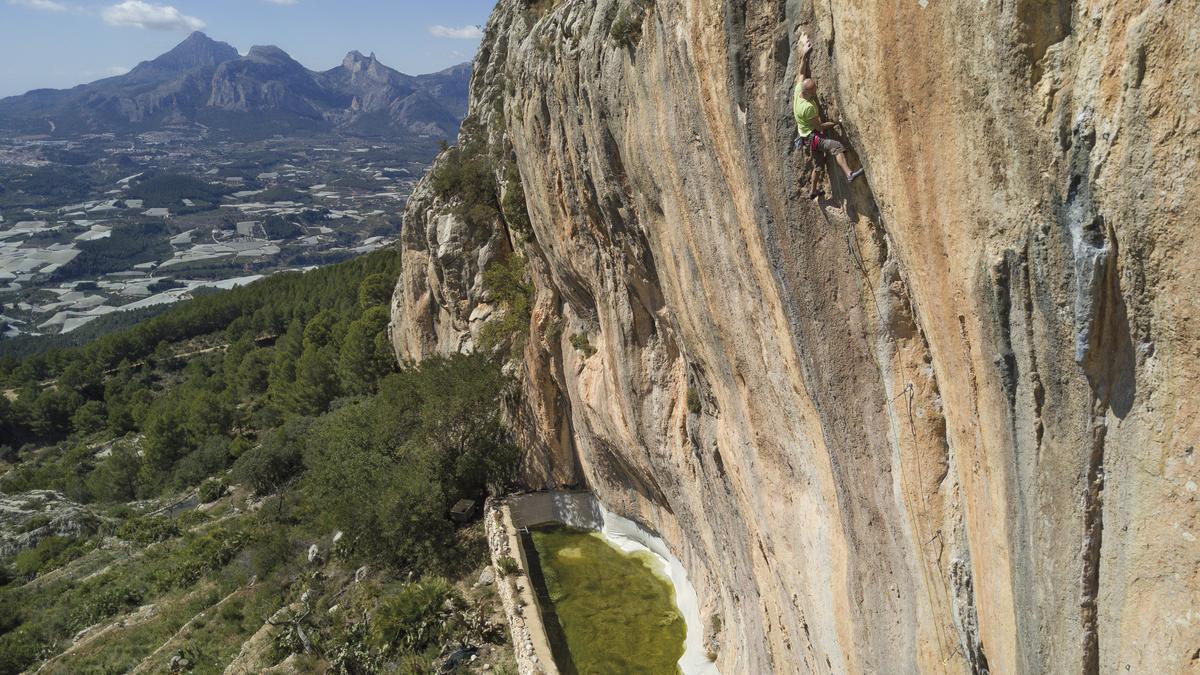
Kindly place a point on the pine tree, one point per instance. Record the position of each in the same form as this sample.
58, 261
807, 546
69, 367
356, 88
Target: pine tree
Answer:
362, 363
316, 380
283, 369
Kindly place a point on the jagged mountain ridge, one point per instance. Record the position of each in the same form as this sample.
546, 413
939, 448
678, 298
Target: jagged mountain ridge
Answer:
941, 421
205, 81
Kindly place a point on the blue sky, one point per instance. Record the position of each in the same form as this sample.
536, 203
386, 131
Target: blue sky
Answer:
61, 43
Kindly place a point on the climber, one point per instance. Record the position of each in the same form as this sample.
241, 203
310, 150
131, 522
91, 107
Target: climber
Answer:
811, 127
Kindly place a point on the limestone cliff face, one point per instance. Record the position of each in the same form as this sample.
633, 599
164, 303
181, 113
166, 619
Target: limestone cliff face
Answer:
943, 421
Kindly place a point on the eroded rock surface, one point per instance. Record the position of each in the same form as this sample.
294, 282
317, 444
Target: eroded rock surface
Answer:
943, 421
27, 518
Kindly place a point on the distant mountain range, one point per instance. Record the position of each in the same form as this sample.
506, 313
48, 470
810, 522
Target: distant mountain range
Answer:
206, 82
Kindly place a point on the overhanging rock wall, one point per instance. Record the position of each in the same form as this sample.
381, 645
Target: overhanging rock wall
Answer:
943, 421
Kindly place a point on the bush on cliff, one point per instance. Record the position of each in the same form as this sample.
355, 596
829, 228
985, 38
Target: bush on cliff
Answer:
626, 28
466, 176
516, 211
506, 285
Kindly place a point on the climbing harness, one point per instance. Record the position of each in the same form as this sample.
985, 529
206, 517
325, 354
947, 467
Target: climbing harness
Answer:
810, 142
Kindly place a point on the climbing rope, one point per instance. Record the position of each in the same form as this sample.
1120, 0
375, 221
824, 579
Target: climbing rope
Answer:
909, 393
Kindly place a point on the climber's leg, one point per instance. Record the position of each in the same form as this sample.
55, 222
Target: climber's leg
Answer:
813, 190
841, 160
836, 149
850, 175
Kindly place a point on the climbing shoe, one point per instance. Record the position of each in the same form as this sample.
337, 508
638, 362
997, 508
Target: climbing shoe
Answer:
816, 194
854, 174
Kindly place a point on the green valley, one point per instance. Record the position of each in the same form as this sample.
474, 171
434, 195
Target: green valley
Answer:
248, 480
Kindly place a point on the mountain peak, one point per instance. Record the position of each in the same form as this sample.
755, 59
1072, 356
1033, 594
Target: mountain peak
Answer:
269, 54
195, 51
356, 61
198, 36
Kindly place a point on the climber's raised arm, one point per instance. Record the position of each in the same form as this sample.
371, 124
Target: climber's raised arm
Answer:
805, 50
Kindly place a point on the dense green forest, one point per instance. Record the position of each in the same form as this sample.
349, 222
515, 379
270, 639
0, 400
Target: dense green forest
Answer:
207, 448
22, 187
168, 190
129, 244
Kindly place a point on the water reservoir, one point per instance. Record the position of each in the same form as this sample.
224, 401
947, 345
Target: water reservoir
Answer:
609, 596
605, 610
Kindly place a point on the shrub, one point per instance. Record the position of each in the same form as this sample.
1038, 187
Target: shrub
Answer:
200, 553
554, 329
272, 464
513, 205
273, 550
109, 597
508, 566
116, 478
580, 342
626, 29
465, 174
386, 470
50, 553
147, 530
232, 613
211, 490
505, 281
211, 458
693, 401
415, 617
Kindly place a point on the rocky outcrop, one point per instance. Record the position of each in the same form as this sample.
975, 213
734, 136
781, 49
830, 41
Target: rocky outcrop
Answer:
942, 421
26, 518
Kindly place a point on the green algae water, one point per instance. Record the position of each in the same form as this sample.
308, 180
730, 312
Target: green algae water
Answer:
615, 613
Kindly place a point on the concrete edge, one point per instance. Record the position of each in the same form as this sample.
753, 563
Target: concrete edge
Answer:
531, 647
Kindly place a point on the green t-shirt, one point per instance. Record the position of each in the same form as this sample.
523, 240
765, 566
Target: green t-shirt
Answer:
805, 111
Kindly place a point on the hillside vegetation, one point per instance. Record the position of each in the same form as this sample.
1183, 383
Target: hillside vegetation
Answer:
248, 479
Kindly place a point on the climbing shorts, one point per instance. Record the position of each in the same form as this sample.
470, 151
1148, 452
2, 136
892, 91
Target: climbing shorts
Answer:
823, 145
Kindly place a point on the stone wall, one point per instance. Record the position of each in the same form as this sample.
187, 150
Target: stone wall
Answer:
531, 647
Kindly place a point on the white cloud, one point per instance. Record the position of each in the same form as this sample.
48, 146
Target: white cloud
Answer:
141, 14
44, 5
283, 2
463, 33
